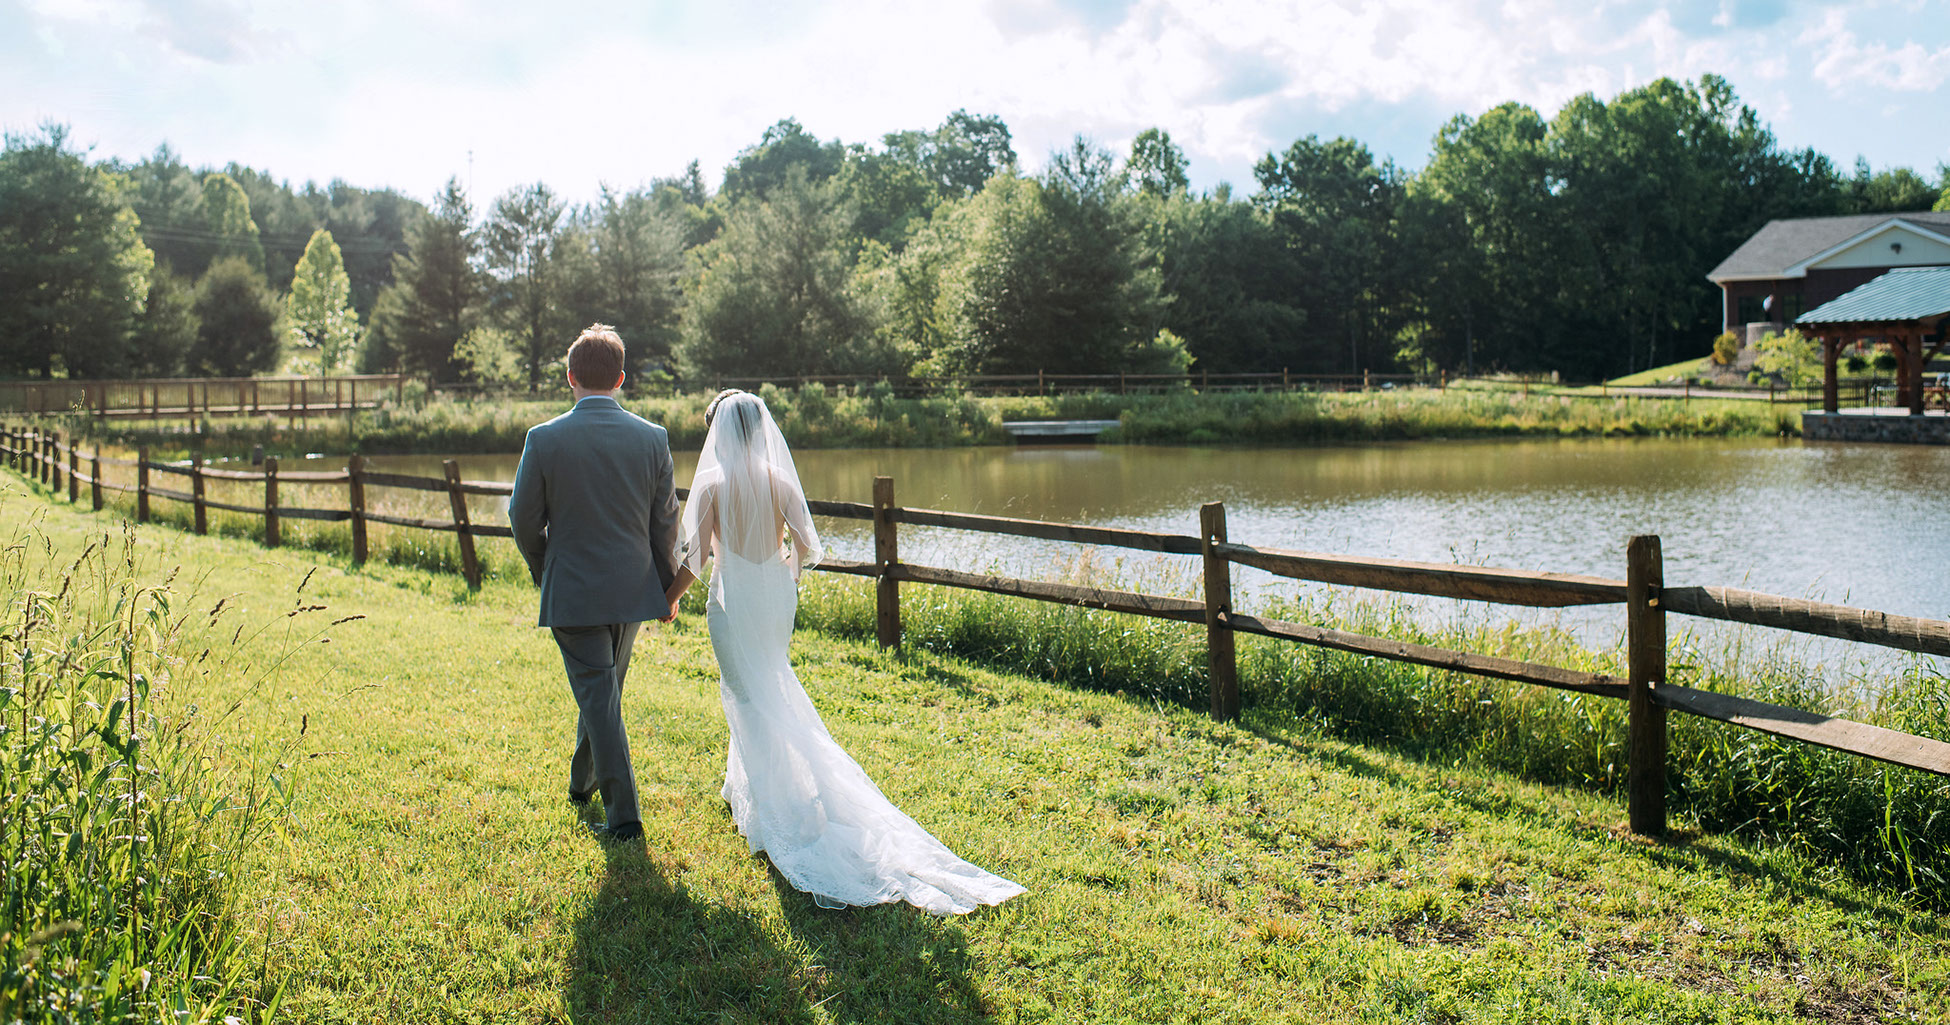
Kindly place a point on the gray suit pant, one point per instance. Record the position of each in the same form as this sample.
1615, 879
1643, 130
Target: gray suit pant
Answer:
598, 658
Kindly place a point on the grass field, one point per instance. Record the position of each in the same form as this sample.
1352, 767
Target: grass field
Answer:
430, 870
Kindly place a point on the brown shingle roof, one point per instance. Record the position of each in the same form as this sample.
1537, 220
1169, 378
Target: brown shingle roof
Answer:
1782, 244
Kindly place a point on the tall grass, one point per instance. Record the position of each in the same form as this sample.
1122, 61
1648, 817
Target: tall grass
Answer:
127, 807
815, 416
1878, 822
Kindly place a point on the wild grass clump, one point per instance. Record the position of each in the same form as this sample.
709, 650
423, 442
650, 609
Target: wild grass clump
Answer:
1409, 414
812, 415
1880, 823
127, 808
818, 416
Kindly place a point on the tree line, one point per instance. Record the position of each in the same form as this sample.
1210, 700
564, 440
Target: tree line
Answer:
1576, 243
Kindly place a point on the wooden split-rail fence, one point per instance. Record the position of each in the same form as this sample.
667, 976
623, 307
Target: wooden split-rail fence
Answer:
194, 398
1643, 592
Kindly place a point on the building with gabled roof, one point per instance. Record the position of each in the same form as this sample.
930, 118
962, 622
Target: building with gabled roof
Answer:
1792, 266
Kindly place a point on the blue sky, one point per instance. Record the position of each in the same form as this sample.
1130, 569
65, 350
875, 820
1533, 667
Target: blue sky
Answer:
404, 93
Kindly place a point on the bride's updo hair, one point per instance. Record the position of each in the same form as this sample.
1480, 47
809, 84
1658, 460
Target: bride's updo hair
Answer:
711, 411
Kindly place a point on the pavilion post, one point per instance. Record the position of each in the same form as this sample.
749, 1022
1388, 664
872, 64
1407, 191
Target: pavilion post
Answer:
1913, 368
1831, 351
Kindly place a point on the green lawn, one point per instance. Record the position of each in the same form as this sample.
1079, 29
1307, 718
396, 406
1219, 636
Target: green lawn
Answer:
1660, 375
1178, 870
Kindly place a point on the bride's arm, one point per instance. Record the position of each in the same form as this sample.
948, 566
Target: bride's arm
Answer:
707, 520
794, 517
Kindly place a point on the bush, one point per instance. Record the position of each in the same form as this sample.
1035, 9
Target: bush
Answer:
1726, 347
1792, 358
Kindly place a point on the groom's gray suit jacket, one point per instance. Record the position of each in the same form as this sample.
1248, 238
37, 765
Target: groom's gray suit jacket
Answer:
594, 512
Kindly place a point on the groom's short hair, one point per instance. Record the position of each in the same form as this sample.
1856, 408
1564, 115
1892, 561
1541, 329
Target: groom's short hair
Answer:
596, 358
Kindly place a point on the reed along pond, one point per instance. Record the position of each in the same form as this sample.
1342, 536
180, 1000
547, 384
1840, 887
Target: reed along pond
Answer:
1861, 525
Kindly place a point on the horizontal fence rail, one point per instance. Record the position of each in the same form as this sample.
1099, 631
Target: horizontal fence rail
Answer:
46, 458
193, 398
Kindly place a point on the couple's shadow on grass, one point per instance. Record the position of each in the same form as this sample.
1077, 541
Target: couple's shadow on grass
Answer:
648, 950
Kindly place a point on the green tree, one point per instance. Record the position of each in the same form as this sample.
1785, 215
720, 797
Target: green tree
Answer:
1156, 166
487, 355
227, 216
237, 317
1888, 191
785, 149
638, 252
525, 298
320, 307
437, 293
772, 294
168, 198
165, 332
1046, 275
74, 273
1229, 278
686, 202
1336, 209
896, 189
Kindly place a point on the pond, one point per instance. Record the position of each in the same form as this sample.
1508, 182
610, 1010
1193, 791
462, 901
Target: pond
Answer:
1862, 525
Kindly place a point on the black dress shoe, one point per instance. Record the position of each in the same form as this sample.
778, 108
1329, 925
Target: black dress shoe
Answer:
625, 833
581, 800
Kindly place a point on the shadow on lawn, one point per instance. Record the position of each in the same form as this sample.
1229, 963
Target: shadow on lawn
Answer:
648, 951
891, 963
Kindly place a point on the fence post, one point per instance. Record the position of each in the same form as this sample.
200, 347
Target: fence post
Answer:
142, 485
196, 495
47, 461
53, 476
95, 478
886, 554
355, 472
469, 565
1222, 669
74, 464
1645, 632
271, 537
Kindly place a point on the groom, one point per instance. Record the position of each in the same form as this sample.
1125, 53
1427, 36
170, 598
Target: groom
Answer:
594, 512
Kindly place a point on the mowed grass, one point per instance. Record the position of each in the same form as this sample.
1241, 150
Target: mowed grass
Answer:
1179, 870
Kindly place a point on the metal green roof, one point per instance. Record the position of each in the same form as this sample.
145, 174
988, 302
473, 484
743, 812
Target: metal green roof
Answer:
1906, 293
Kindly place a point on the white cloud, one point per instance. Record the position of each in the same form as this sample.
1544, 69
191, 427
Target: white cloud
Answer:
1845, 61
399, 91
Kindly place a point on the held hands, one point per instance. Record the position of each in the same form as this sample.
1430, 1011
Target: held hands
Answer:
675, 592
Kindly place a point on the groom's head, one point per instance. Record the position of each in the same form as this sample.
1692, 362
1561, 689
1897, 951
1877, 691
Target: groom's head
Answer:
596, 360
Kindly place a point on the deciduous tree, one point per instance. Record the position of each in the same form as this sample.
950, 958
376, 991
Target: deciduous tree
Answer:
320, 307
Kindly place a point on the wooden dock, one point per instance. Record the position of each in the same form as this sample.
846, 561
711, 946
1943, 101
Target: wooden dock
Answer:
1057, 430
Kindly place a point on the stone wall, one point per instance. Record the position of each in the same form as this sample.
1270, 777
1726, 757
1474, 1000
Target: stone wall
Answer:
1930, 429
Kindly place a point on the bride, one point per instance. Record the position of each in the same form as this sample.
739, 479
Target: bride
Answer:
794, 793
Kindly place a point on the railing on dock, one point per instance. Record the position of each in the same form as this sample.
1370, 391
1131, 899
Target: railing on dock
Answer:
194, 398
46, 458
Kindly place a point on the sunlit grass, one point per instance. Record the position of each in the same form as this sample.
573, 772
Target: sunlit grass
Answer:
1179, 870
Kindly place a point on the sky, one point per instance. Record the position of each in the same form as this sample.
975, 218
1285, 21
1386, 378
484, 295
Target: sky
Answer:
581, 93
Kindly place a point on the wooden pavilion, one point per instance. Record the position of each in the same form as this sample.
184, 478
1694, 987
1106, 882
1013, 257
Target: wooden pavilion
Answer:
1905, 309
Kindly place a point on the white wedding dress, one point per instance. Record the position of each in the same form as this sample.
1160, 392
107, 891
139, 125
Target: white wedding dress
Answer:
794, 792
